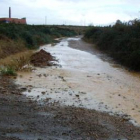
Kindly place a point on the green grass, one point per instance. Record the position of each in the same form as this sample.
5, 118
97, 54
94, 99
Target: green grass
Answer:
7, 71
17, 61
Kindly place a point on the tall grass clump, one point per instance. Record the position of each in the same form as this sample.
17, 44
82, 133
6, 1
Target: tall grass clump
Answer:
16, 62
9, 47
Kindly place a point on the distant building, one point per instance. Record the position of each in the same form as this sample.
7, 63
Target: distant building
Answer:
12, 20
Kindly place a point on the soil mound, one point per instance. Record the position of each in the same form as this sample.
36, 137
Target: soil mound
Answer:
42, 59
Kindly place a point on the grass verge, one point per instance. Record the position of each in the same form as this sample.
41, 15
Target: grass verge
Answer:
16, 62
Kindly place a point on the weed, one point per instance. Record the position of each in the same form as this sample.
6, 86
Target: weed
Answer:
7, 71
11, 47
16, 62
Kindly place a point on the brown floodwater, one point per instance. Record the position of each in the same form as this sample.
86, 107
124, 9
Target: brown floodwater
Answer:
84, 79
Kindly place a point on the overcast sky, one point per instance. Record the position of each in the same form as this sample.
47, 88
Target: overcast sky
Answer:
72, 12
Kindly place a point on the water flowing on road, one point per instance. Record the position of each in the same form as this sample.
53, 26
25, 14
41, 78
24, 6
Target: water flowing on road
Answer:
84, 80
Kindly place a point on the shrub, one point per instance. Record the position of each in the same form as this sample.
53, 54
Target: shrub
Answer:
121, 41
33, 35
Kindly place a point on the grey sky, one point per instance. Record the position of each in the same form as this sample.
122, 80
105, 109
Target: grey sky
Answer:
76, 12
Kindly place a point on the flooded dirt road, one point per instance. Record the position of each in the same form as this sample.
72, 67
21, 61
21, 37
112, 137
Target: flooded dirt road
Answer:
84, 80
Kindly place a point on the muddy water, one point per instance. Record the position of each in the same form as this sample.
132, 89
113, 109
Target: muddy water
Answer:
84, 80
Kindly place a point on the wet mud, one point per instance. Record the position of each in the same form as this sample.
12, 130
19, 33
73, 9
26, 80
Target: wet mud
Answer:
78, 100
24, 119
42, 59
98, 84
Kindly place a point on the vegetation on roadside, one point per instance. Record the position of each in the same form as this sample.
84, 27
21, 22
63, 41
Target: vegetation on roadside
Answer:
7, 71
17, 62
121, 41
33, 35
16, 40
9, 46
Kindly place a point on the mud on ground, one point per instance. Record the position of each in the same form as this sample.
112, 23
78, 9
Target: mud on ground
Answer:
90, 48
42, 59
23, 119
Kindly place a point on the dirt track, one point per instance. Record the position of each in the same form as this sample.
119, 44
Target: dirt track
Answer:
23, 119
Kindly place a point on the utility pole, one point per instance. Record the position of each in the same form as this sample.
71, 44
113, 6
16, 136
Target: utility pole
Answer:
45, 20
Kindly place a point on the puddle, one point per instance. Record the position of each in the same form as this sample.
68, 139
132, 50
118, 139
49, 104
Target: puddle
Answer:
84, 80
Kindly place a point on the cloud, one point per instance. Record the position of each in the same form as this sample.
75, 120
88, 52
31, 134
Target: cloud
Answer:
132, 2
71, 11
